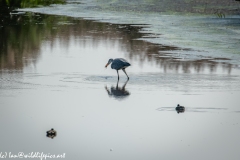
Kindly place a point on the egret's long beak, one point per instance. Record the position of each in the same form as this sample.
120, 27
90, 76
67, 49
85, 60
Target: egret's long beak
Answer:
106, 65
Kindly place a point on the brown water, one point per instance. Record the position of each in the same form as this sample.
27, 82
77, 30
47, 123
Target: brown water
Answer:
53, 76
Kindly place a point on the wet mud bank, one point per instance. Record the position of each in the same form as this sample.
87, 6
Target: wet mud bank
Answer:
177, 6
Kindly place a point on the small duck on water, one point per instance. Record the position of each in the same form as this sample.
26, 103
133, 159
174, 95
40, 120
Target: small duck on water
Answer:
51, 133
180, 109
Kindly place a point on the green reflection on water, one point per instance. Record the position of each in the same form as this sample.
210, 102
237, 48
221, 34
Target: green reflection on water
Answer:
31, 3
22, 35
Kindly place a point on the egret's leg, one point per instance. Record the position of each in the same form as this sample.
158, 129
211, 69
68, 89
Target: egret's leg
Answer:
125, 72
118, 74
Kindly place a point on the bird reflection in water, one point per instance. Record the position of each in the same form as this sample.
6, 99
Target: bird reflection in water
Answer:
51, 133
118, 92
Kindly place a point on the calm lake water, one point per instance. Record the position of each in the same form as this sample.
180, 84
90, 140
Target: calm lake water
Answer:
53, 76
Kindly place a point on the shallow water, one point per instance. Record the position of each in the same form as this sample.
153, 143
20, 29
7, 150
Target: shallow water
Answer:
53, 76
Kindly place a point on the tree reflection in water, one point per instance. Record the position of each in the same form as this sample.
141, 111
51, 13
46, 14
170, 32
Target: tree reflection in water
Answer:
22, 36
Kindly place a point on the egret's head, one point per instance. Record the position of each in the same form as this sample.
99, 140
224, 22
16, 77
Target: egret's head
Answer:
109, 61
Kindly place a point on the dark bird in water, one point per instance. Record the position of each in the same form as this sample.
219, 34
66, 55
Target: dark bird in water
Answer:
180, 109
51, 133
119, 63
